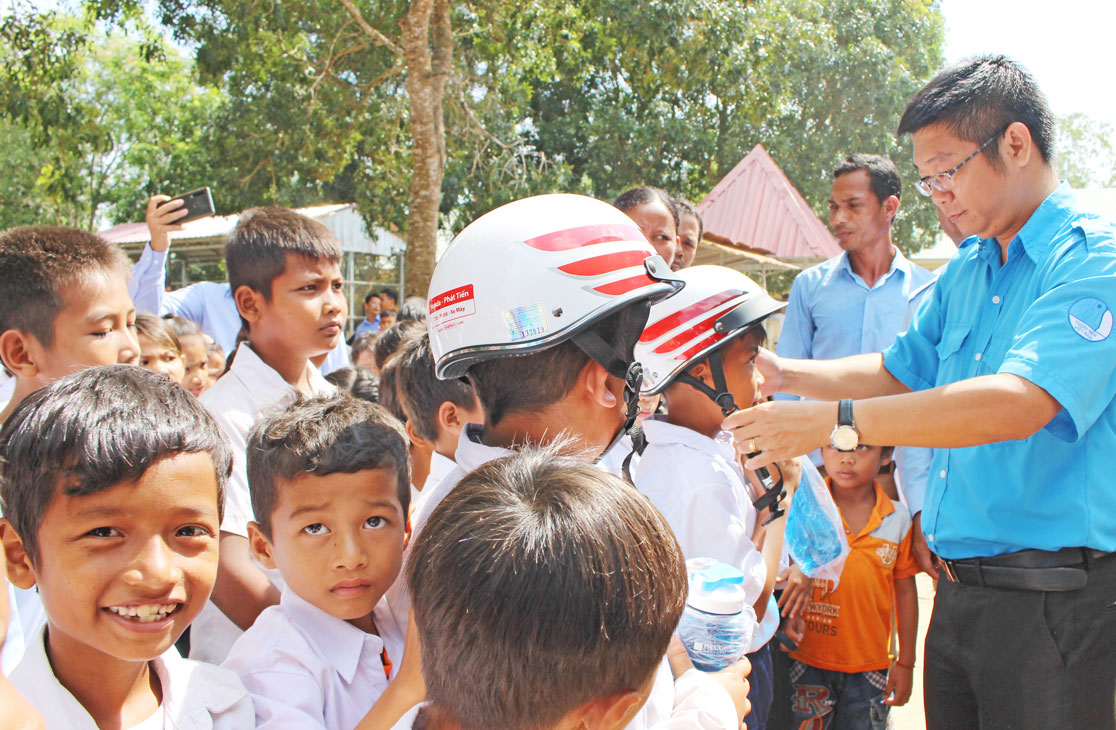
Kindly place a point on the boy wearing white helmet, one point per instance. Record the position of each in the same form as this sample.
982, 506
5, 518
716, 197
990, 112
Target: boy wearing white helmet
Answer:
539, 304
699, 350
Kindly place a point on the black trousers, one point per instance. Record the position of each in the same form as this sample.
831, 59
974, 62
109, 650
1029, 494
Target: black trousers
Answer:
1020, 659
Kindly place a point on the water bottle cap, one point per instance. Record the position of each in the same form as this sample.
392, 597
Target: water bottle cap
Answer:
715, 587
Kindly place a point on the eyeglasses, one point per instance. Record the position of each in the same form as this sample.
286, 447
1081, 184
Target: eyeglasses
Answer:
943, 181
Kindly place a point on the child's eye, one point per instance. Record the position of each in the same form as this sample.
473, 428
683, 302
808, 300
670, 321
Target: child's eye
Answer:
193, 531
374, 522
144, 362
316, 529
101, 334
103, 532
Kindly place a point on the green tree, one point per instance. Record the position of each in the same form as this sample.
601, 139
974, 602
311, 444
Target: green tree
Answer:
1085, 152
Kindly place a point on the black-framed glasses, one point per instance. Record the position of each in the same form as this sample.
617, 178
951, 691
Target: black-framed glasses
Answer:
943, 181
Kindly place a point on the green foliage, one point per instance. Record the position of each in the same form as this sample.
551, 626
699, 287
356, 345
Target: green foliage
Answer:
1086, 152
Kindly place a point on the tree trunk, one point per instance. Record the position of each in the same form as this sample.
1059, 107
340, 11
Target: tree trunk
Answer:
428, 55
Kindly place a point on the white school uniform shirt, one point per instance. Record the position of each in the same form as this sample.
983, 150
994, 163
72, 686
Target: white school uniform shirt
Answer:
698, 486
307, 669
196, 696
694, 701
210, 304
236, 402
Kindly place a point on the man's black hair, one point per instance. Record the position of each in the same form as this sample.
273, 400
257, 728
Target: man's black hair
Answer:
336, 434
94, 429
979, 98
883, 176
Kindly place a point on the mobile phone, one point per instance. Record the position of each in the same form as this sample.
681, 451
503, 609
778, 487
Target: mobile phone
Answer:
197, 204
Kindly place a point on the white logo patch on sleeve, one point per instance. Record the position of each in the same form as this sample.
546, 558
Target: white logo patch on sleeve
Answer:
1091, 318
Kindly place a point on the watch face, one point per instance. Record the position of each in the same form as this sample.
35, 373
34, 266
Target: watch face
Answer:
845, 438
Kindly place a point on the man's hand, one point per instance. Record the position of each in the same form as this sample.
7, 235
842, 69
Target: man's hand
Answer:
767, 362
162, 212
900, 680
926, 560
796, 594
781, 430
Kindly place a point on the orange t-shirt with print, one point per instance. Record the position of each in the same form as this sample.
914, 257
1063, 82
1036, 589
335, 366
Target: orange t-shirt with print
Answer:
849, 629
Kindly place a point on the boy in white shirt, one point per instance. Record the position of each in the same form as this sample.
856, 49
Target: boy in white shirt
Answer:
330, 490
112, 482
549, 354
699, 350
284, 270
551, 606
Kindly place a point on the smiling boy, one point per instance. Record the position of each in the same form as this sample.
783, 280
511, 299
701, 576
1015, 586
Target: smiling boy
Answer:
112, 482
330, 490
284, 272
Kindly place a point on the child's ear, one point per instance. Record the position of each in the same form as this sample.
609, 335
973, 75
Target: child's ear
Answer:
414, 436
20, 353
701, 372
407, 533
886, 456
260, 546
610, 712
18, 561
449, 418
595, 381
249, 302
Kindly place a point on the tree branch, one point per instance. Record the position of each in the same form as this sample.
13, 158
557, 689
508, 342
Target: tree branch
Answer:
376, 35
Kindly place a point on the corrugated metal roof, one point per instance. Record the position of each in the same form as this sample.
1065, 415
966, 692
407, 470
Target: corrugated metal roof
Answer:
756, 207
341, 218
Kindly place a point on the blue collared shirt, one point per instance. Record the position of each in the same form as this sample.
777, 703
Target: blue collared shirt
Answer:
832, 313
1045, 315
367, 327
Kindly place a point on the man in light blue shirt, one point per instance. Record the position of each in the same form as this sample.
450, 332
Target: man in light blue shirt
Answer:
1009, 373
371, 323
209, 304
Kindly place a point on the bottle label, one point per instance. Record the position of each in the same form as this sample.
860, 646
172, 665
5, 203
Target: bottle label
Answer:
717, 649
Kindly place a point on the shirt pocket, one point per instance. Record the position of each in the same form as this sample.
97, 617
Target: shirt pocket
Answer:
951, 365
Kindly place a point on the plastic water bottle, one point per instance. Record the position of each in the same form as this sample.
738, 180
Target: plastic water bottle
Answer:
717, 624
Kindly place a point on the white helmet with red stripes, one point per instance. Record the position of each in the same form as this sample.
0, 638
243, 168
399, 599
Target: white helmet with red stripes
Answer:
536, 272
716, 305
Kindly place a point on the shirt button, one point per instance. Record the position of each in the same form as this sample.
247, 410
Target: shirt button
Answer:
942, 474
996, 299
930, 537
978, 356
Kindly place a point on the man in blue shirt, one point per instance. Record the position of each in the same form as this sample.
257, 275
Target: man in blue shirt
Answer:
371, 323
1009, 372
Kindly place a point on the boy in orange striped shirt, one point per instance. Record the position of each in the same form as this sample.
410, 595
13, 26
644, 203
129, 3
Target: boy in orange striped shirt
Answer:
843, 675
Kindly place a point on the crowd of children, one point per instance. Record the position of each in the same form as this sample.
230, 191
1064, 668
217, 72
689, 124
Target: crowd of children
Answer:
430, 538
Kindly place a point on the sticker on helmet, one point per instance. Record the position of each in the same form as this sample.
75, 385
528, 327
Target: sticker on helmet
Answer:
1091, 318
525, 321
451, 305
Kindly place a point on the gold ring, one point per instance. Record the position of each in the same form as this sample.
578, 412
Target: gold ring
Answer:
752, 446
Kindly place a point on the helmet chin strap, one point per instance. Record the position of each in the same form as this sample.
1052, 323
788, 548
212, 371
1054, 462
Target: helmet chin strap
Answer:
720, 394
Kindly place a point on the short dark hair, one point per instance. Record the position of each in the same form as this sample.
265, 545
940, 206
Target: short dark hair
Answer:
391, 293
639, 196
412, 309
389, 389
685, 207
563, 585
365, 342
371, 293
883, 176
980, 97
360, 382
38, 263
514, 383
336, 434
158, 331
421, 391
391, 339
256, 252
94, 429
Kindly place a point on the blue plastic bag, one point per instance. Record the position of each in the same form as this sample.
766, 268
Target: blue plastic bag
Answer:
815, 533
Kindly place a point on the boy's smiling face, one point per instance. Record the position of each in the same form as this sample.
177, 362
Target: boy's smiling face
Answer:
337, 540
123, 572
96, 326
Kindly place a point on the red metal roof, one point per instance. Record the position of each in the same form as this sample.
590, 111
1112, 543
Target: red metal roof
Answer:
755, 207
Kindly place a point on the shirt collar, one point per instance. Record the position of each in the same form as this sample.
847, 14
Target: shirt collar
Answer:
899, 263
882, 508
340, 643
662, 432
193, 691
471, 453
1038, 233
264, 385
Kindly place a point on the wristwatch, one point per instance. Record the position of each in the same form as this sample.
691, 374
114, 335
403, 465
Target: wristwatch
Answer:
845, 437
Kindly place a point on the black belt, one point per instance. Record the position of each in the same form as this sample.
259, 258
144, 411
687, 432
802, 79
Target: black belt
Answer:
1029, 570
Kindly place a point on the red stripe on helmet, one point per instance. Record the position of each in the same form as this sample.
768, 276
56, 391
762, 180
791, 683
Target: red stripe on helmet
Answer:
687, 335
710, 340
623, 286
571, 238
666, 324
605, 264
